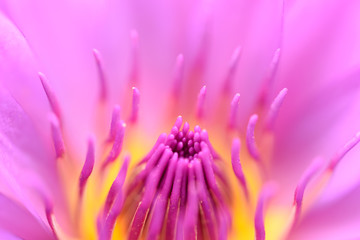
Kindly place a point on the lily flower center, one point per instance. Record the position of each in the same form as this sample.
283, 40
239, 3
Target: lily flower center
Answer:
176, 191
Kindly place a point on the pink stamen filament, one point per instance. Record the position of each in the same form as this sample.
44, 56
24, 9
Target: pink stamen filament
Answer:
57, 136
265, 194
101, 73
117, 146
343, 151
115, 118
269, 79
236, 165
250, 138
200, 103
274, 109
232, 69
233, 110
178, 76
54, 104
88, 166
312, 170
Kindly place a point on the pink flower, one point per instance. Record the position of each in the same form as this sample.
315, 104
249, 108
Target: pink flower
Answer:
265, 145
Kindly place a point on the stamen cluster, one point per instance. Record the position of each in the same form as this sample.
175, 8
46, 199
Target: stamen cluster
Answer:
175, 192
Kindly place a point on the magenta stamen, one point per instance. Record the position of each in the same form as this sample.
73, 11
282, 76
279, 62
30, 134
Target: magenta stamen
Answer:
312, 170
54, 104
269, 79
192, 207
178, 122
250, 138
204, 197
88, 165
150, 190
57, 136
200, 103
265, 194
134, 72
135, 105
186, 128
174, 199
178, 76
115, 118
232, 69
274, 109
117, 146
236, 165
343, 151
102, 78
160, 206
233, 110
109, 224
116, 185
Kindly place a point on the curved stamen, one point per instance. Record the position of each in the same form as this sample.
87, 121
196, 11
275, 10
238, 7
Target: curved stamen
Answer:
115, 118
235, 161
269, 79
150, 190
109, 224
160, 206
266, 193
233, 110
174, 199
250, 138
54, 104
204, 197
57, 136
88, 165
343, 151
117, 146
200, 103
102, 78
135, 105
116, 185
192, 208
274, 109
178, 76
304, 181
232, 69
161, 139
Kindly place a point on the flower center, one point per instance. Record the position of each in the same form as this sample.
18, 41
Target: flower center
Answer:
178, 189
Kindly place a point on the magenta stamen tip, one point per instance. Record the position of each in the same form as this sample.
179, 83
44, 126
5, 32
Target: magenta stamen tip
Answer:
88, 165
114, 119
178, 122
250, 138
343, 151
57, 136
200, 103
118, 142
232, 69
101, 73
178, 75
266, 193
274, 109
54, 104
235, 161
310, 173
135, 105
233, 110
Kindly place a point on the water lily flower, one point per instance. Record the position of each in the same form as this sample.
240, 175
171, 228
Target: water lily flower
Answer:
179, 119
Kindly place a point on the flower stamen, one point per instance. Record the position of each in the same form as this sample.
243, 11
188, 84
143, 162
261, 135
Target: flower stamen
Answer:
135, 105
233, 111
232, 69
236, 165
200, 103
54, 104
57, 136
274, 109
250, 138
101, 73
88, 166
